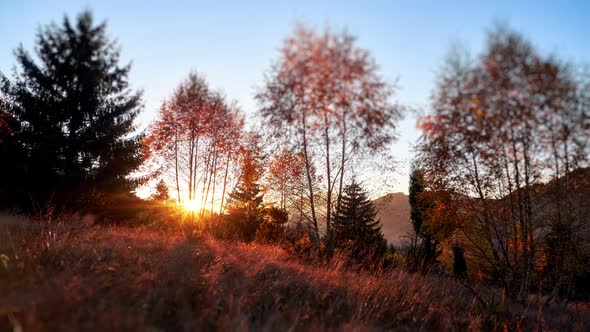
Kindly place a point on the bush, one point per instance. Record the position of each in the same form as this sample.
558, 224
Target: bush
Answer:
392, 260
272, 229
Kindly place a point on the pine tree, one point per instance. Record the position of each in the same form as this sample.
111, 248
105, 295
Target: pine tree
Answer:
244, 207
6, 120
161, 193
76, 115
355, 226
12, 158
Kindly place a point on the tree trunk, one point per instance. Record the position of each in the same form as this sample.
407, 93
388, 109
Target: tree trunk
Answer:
224, 183
309, 181
214, 183
342, 161
176, 163
329, 178
195, 166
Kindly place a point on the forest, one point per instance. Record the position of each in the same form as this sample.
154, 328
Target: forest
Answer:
265, 221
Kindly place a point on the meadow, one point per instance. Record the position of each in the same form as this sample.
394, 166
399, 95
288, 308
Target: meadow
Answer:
69, 274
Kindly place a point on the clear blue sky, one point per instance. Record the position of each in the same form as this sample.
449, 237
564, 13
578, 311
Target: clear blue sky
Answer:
234, 42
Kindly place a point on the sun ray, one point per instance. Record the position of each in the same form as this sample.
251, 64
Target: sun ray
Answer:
192, 205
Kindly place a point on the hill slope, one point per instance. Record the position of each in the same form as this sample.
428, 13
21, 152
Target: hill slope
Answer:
394, 208
394, 212
74, 276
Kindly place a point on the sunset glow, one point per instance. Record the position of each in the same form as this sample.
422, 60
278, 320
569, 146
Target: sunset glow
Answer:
191, 205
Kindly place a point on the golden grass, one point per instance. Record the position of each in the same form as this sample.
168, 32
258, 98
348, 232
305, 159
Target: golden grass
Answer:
70, 275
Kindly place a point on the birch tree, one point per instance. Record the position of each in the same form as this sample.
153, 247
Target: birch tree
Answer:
325, 96
500, 126
194, 141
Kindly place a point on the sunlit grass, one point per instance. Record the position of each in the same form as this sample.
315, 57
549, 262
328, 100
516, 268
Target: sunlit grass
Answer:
207, 284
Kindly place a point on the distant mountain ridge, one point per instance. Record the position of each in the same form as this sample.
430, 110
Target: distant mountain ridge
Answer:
394, 212
394, 208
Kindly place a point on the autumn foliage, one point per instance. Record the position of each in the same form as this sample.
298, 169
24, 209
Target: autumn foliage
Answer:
504, 137
265, 222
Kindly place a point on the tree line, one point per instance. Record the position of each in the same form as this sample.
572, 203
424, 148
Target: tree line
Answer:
69, 138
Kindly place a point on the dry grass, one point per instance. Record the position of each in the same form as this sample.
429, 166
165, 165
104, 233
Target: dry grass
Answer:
76, 276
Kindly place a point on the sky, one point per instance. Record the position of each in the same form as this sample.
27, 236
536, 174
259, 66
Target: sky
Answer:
233, 43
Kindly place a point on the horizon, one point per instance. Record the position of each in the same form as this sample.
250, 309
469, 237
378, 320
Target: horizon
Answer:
233, 47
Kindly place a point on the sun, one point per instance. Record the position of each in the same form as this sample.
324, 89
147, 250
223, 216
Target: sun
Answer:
191, 205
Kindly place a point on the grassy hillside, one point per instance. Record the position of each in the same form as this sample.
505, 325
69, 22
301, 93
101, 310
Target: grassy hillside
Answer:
77, 276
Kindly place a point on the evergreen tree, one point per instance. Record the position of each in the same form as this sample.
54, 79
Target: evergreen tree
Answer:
161, 193
424, 248
6, 120
11, 157
75, 116
355, 226
244, 207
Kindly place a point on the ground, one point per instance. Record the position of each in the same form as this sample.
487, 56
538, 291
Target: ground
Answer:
79, 276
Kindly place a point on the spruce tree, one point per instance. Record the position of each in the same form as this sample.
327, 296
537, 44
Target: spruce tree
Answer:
162, 194
355, 223
75, 113
12, 166
244, 207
